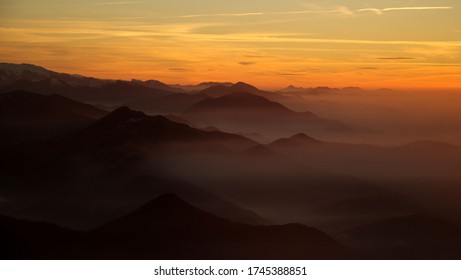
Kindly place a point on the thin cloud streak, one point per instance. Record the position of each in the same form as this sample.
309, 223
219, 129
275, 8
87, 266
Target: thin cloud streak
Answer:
339, 10
381, 11
398, 58
118, 3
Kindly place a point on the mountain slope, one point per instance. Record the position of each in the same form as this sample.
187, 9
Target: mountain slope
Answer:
247, 112
109, 93
22, 106
167, 228
220, 90
26, 116
90, 175
135, 128
174, 103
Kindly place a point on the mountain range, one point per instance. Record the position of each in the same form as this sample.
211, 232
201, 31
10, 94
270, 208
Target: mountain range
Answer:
154, 97
97, 169
167, 228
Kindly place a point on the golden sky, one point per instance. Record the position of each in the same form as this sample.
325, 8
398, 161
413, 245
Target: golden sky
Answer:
272, 44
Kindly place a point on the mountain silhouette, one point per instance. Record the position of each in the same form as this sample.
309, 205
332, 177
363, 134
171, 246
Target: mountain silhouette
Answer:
295, 140
248, 112
27, 74
167, 228
110, 93
225, 89
174, 103
157, 85
31, 107
133, 127
26, 116
110, 159
165, 212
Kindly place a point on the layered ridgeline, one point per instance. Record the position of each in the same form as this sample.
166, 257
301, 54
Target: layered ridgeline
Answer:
73, 154
247, 112
89, 175
243, 108
167, 228
26, 116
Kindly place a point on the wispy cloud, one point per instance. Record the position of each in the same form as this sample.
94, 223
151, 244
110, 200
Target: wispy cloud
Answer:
398, 58
340, 10
180, 70
337, 10
381, 11
247, 63
118, 3
290, 74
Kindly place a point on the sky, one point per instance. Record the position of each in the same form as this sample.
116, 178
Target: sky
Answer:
271, 44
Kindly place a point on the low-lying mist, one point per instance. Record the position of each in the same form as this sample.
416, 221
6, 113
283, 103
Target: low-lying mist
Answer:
392, 117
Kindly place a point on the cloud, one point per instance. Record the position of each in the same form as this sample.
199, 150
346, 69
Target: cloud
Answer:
398, 58
339, 10
119, 3
336, 10
180, 70
369, 68
381, 11
290, 74
246, 63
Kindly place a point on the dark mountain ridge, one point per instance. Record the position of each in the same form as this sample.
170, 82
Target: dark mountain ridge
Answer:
167, 228
247, 112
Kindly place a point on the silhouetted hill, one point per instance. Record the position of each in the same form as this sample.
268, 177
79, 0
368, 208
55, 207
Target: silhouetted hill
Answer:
157, 85
174, 103
30, 240
26, 116
176, 119
167, 228
408, 237
110, 93
165, 212
22, 106
295, 140
225, 89
244, 87
248, 112
127, 126
29, 74
111, 159
201, 86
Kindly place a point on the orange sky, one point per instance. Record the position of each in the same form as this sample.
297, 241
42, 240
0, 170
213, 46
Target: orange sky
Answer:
373, 44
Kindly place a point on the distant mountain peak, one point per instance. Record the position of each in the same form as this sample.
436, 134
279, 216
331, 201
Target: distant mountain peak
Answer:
209, 84
224, 89
167, 200
125, 111
298, 139
18, 69
166, 211
241, 86
16, 94
303, 137
120, 116
37, 108
292, 87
